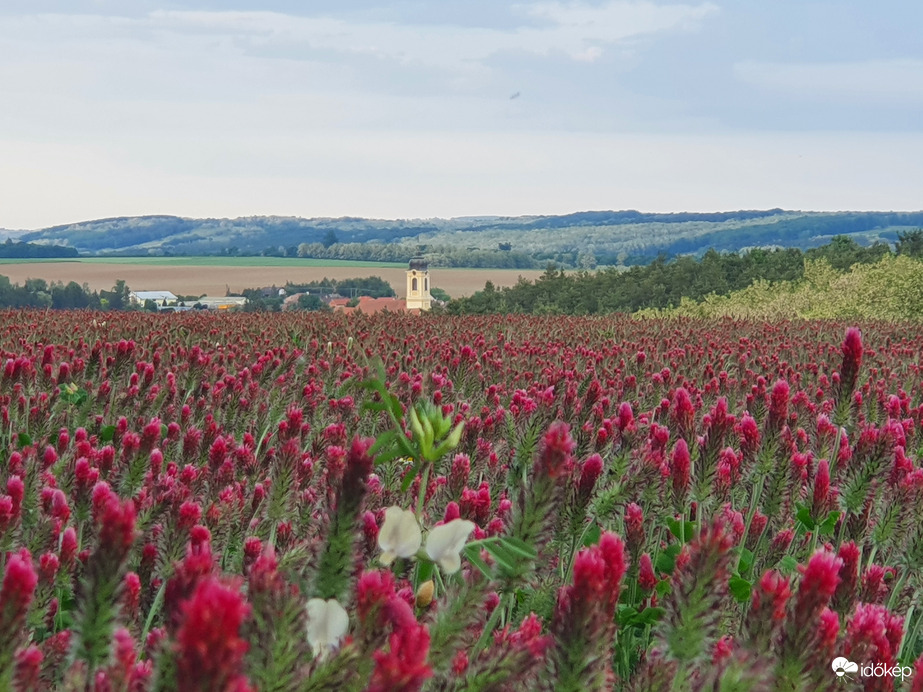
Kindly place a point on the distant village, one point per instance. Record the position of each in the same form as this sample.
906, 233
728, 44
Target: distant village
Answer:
419, 298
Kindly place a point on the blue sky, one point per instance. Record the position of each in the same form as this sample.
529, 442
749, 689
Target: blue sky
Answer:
423, 109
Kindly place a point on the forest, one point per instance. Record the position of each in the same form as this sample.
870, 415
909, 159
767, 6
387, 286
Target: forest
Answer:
583, 240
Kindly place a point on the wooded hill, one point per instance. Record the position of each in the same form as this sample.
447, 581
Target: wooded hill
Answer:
584, 239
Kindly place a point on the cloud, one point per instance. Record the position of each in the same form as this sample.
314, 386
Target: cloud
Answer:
195, 70
894, 81
575, 30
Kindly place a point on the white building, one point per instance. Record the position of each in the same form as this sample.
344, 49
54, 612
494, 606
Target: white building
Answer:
219, 303
159, 297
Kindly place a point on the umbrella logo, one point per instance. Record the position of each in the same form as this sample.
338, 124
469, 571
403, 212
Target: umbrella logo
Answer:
842, 665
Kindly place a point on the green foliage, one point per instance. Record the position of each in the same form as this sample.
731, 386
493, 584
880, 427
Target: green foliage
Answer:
433, 435
759, 283
889, 289
910, 243
309, 302
660, 284
20, 250
439, 294
373, 286
38, 293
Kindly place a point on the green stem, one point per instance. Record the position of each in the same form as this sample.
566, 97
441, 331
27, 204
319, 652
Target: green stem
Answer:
439, 583
488, 628
754, 500
813, 542
909, 635
679, 681
892, 600
421, 495
834, 455
155, 608
841, 534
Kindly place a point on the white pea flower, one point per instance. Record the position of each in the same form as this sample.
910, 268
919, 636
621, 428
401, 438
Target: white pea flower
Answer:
444, 543
399, 536
327, 625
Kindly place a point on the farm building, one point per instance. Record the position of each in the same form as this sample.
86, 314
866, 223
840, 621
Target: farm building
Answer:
222, 302
159, 297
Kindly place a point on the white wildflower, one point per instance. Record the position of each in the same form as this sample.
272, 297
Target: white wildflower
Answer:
327, 625
399, 536
444, 543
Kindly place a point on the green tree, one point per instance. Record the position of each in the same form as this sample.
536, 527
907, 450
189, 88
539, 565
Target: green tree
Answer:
118, 296
311, 303
439, 294
330, 238
910, 243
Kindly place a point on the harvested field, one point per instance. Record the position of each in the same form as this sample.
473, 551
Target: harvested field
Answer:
190, 278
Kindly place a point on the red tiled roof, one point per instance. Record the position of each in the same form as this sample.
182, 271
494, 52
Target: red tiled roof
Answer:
371, 305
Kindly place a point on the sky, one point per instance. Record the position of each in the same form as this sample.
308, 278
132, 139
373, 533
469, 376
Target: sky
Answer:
443, 108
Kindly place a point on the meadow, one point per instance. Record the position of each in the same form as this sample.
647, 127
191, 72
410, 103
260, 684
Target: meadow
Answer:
215, 275
327, 502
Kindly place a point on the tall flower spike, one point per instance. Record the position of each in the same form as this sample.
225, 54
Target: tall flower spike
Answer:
682, 412
801, 636
210, 650
584, 619
335, 570
767, 610
867, 635
634, 528
845, 596
556, 449
444, 543
778, 406
539, 501
852, 362
19, 582
690, 625
97, 609
400, 535
404, 666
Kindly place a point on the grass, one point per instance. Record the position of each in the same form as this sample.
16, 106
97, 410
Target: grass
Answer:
211, 261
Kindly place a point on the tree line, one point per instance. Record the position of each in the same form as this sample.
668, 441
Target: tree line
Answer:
38, 293
664, 283
436, 255
20, 250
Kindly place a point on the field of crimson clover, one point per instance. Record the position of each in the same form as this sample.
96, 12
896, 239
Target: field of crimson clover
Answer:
301, 502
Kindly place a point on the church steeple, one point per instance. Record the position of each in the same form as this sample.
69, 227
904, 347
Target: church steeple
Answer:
418, 297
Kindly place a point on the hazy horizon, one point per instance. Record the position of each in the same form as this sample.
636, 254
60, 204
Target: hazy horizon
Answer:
405, 109
462, 217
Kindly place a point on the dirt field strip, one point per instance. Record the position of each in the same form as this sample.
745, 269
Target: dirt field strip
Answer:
216, 280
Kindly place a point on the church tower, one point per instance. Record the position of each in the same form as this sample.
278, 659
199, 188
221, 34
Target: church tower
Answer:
418, 297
